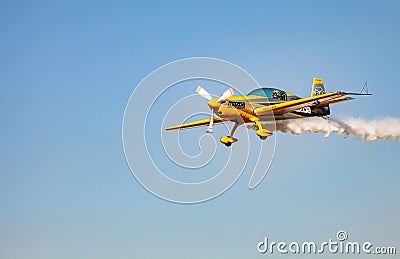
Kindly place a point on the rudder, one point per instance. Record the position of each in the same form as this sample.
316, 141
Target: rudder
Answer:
317, 87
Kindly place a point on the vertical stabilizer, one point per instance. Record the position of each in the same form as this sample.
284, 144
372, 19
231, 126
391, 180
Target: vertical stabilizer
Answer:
317, 87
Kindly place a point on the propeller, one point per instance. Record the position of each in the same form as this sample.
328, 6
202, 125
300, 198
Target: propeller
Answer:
228, 93
203, 93
209, 130
213, 103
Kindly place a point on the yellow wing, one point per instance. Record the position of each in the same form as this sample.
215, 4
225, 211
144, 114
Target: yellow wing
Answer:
285, 107
195, 124
337, 100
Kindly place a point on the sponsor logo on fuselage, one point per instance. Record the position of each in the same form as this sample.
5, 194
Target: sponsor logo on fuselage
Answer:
304, 110
237, 105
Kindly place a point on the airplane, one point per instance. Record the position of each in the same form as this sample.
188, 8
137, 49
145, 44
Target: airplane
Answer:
263, 105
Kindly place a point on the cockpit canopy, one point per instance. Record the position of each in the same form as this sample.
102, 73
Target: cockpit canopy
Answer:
273, 93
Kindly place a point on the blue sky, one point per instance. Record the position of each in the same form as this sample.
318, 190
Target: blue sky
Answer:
68, 68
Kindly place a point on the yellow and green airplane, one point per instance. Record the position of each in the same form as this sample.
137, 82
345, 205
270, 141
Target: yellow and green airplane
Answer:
263, 105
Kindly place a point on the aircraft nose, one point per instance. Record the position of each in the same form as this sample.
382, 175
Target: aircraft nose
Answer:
214, 104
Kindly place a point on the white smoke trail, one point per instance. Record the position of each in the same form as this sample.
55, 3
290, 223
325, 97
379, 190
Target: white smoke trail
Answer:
388, 128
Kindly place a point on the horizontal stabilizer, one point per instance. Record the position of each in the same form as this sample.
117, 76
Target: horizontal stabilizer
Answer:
194, 124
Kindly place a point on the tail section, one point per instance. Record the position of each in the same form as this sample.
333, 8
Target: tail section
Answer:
317, 87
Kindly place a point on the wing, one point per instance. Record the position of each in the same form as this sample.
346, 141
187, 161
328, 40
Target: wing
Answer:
317, 100
194, 124
336, 100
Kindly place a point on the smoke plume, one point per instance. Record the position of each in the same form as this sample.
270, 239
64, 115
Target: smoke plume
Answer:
388, 128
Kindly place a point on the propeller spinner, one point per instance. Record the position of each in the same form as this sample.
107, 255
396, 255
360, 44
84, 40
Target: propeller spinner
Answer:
213, 103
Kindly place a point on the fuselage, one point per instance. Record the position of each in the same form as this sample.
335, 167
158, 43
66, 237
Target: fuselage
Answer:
228, 110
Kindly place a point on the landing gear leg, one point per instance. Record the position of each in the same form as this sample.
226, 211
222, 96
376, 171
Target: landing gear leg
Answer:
228, 140
262, 133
